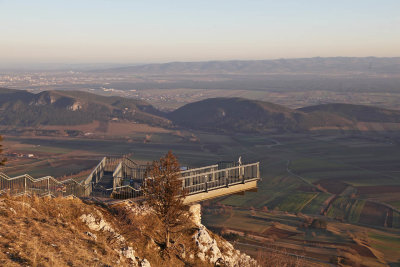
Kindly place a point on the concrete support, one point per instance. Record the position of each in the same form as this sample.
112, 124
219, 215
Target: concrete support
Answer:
220, 192
195, 210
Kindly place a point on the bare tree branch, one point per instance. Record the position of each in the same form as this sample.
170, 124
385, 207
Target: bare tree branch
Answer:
165, 194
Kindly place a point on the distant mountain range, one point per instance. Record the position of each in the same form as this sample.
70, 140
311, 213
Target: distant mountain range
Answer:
22, 108
317, 65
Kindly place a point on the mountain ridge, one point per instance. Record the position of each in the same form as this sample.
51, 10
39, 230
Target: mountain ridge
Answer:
22, 108
369, 65
244, 115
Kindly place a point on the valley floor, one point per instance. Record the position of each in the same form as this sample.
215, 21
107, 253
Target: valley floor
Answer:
351, 180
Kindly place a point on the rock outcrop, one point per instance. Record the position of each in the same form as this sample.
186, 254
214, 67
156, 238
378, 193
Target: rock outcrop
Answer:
213, 251
100, 224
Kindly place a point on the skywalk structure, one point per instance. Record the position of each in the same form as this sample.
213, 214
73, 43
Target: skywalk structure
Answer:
122, 178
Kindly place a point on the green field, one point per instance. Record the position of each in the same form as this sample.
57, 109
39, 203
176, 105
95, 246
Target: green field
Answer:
356, 209
316, 204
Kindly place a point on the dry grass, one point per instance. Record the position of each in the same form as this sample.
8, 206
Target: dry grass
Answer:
145, 232
48, 232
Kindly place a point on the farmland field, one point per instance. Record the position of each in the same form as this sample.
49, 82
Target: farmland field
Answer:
264, 230
342, 178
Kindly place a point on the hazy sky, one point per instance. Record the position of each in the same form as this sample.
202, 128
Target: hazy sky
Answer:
130, 31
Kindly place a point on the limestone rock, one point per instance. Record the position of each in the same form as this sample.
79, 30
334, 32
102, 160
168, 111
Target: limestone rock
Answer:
145, 263
95, 225
195, 210
207, 246
100, 225
129, 253
94, 236
210, 250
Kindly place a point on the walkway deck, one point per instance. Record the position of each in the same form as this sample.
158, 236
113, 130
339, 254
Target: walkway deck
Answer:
121, 178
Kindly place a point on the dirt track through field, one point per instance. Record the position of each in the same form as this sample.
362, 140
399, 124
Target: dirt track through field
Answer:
287, 253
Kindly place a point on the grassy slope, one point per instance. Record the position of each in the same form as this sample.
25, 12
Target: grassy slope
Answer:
49, 232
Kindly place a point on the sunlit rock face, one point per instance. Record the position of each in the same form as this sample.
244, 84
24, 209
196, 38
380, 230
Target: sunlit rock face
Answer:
215, 251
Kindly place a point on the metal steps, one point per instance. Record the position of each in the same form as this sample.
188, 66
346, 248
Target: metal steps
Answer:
104, 187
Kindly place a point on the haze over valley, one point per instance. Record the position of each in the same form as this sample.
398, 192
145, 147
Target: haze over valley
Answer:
200, 133
291, 82
326, 132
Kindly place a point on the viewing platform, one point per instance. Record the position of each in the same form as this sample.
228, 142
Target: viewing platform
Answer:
122, 178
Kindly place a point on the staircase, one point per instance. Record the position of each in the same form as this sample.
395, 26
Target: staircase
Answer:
104, 187
106, 182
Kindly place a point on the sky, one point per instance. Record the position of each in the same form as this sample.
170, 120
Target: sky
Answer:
144, 31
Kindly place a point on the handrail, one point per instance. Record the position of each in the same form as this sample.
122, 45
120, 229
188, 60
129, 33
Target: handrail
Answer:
222, 170
195, 180
127, 160
90, 176
47, 185
201, 168
117, 174
27, 176
127, 186
205, 185
117, 170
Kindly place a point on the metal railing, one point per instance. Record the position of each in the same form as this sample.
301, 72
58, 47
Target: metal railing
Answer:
94, 176
200, 170
25, 184
129, 163
111, 163
194, 181
215, 179
126, 192
118, 175
203, 179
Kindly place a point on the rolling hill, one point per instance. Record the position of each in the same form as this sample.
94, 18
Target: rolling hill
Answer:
22, 108
243, 115
356, 113
235, 114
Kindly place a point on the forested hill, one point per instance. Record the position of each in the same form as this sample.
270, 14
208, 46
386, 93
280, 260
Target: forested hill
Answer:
244, 115
22, 108
229, 115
